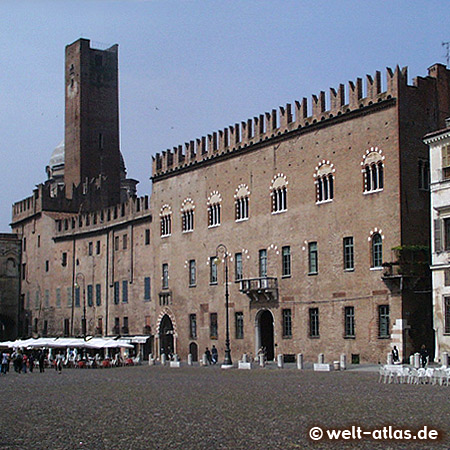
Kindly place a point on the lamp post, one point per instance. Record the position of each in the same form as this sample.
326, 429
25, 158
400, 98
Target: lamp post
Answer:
83, 319
222, 250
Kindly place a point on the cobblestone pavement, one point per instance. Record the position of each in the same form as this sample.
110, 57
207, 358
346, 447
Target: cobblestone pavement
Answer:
209, 408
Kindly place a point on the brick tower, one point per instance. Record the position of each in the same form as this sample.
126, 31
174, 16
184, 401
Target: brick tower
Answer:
92, 120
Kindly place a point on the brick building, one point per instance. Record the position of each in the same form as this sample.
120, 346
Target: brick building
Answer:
309, 203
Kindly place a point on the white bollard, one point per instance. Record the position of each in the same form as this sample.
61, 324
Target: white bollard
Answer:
411, 360
445, 359
204, 360
343, 361
163, 359
280, 361
190, 359
262, 361
245, 358
390, 358
336, 365
416, 360
300, 361
321, 358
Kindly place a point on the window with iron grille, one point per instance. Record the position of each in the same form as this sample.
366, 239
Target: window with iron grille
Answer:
165, 276
349, 321
125, 291
238, 266
287, 323
313, 258
286, 261
147, 237
193, 326
383, 321
147, 288
192, 273
349, 261
239, 324
447, 315
98, 294
213, 329
212, 270
116, 292
90, 295
314, 322
77, 296
263, 263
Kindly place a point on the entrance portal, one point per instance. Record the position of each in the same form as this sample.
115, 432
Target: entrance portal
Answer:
265, 331
193, 350
166, 336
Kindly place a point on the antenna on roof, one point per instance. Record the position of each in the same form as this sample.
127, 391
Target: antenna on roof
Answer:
447, 51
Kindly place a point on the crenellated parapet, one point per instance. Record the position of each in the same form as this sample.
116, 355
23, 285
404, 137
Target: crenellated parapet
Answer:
288, 118
134, 209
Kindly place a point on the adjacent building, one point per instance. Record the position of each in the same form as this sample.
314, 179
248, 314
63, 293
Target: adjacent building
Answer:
316, 213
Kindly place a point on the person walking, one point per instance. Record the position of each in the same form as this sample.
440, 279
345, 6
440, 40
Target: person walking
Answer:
424, 356
214, 355
208, 355
41, 359
395, 354
31, 362
5, 362
59, 362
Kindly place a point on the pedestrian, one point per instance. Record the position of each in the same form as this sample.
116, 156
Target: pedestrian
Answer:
59, 362
41, 359
214, 354
31, 362
5, 362
423, 356
395, 354
208, 355
24, 363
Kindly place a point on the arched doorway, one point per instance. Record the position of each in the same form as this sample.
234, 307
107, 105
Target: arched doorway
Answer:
166, 336
264, 333
193, 350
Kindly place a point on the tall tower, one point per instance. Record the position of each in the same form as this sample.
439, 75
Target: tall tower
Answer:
92, 119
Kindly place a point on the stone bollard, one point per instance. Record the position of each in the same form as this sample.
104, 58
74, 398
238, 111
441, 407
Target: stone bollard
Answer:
300, 361
163, 359
445, 359
204, 360
245, 358
280, 361
262, 361
411, 360
336, 365
416, 360
390, 358
189, 359
343, 361
321, 358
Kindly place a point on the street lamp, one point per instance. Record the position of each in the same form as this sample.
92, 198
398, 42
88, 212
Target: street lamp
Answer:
222, 250
83, 320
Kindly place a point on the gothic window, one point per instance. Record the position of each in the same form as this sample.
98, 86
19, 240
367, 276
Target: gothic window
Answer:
373, 170
187, 215
376, 249
214, 210
324, 176
279, 193
241, 202
166, 220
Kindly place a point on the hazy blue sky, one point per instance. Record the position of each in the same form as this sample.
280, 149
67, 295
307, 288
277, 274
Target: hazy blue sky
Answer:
204, 65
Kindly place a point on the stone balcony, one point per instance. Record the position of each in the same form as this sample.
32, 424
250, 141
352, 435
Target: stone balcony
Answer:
260, 290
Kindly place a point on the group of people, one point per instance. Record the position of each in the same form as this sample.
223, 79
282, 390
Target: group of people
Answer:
212, 356
424, 355
22, 362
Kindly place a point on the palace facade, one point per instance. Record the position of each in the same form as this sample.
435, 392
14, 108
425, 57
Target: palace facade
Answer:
316, 213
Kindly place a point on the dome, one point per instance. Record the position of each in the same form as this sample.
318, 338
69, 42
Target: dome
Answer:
57, 158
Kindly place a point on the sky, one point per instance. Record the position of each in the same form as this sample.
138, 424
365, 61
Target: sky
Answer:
188, 68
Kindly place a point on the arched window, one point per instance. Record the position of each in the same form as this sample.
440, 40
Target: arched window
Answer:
187, 215
373, 170
166, 220
241, 202
214, 209
279, 193
324, 176
377, 250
